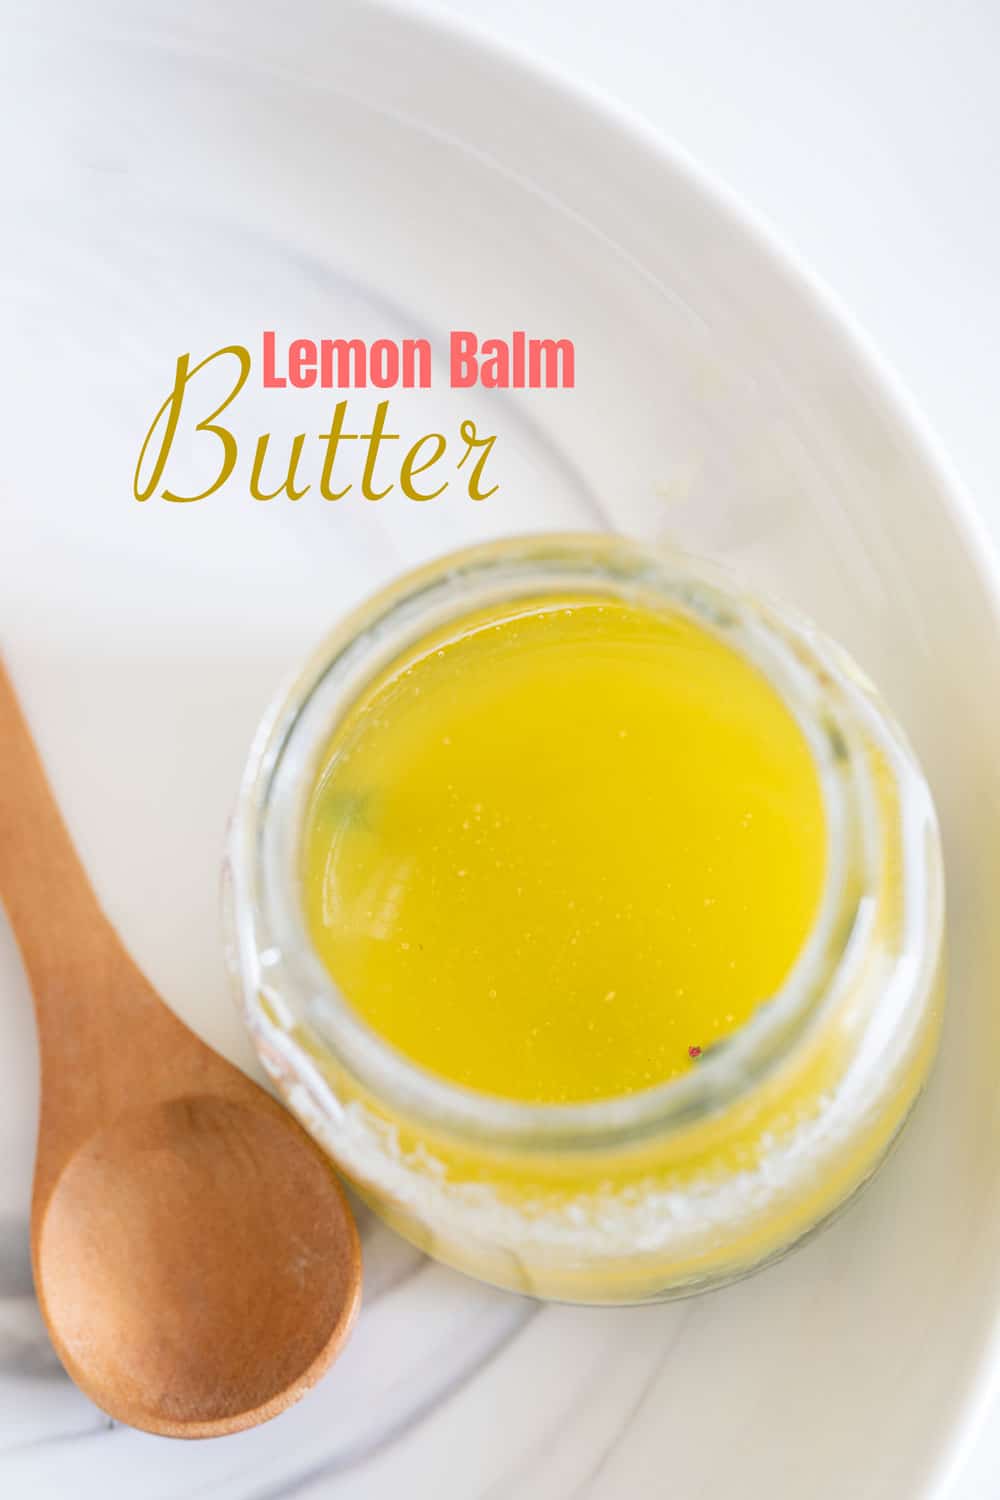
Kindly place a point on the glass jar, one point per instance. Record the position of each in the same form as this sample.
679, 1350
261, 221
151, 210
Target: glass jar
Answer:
689, 1184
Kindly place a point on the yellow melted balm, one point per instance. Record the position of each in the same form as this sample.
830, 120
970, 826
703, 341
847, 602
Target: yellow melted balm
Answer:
559, 850
589, 912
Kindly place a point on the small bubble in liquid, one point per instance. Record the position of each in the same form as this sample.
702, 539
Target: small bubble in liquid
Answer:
460, 873
611, 994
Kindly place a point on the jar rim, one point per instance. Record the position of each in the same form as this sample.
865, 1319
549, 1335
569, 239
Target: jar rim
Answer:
288, 988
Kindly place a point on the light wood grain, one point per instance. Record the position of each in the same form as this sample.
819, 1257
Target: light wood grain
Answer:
195, 1259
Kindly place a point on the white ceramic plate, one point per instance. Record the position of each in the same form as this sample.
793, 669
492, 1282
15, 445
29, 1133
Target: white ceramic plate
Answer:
201, 172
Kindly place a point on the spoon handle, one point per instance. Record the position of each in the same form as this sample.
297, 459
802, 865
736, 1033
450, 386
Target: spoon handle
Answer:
104, 1035
48, 898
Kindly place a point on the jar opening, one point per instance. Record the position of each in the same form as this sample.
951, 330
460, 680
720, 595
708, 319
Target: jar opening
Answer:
282, 770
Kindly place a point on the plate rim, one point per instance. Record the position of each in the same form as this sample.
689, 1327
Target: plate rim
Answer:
435, 26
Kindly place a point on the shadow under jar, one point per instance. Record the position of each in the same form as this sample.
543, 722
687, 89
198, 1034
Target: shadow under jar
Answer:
665, 1190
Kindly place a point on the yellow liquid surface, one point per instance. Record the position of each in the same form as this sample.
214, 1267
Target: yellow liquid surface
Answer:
557, 847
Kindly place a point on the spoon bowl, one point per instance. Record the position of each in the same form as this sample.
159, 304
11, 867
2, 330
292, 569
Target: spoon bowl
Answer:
185, 1262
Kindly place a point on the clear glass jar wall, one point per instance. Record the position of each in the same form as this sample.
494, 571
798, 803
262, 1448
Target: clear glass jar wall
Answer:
681, 1187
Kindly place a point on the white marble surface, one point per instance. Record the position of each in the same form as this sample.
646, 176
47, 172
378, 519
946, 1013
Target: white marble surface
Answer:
866, 136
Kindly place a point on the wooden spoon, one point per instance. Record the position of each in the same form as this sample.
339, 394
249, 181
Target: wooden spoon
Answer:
195, 1258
